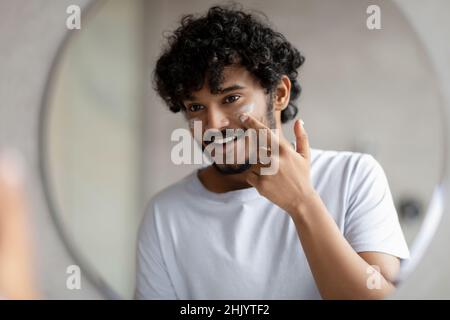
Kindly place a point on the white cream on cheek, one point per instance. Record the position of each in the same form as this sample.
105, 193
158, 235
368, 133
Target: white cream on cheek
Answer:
247, 108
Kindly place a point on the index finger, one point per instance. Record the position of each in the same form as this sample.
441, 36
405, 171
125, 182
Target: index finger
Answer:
251, 122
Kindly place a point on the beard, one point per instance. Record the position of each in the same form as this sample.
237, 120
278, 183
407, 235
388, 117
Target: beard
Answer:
229, 169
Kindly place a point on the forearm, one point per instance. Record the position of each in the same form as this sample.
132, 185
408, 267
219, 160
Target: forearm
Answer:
339, 272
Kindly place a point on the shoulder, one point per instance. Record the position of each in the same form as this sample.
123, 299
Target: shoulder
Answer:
353, 162
172, 194
346, 169
167, 201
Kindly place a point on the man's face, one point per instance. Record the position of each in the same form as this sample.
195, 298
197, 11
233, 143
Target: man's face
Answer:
239, 92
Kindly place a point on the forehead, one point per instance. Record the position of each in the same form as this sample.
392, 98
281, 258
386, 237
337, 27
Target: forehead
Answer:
233, 75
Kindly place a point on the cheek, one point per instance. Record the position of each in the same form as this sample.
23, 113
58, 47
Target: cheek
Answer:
196, 128
249, 108
194, 122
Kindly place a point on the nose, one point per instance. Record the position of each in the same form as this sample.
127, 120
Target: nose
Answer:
217, 119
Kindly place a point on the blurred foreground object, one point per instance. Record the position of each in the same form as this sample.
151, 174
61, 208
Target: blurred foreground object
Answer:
16, 267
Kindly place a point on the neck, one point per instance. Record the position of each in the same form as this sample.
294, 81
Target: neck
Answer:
218, 182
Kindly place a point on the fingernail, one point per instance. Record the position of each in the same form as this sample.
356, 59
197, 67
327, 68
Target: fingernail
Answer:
303, 124
243, 117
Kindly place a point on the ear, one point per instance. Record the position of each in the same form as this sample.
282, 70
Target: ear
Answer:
282, 93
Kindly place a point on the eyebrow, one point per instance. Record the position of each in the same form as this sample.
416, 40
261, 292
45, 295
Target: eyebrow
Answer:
221, 91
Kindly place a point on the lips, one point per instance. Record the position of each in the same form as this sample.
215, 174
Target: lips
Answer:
225, 139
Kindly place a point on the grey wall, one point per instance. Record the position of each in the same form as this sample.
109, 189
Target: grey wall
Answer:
30, 32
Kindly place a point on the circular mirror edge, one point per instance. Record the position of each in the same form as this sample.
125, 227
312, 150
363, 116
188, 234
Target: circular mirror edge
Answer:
438, 203
88, 272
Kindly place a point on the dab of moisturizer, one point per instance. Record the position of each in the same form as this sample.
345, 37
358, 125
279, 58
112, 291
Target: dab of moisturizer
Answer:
247, 108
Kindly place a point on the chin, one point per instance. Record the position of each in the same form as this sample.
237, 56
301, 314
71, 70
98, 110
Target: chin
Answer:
232, 169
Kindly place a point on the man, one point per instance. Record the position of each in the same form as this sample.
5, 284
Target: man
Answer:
322, 226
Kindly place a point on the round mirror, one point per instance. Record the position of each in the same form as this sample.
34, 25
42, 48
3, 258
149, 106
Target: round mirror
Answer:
107, 135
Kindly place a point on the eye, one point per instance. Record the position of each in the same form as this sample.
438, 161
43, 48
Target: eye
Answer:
231, 99
195, 107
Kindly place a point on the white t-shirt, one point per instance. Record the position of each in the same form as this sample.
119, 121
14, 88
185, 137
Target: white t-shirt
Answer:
197, 244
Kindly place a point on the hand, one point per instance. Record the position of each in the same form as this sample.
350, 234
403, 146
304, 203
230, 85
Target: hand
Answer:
291, 184
16, 276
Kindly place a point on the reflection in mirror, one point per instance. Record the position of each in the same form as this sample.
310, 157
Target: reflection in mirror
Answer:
107, 134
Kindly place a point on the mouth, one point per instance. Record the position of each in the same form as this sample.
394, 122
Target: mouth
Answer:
222, 141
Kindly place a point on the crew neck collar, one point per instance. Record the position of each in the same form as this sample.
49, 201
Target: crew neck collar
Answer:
242, 195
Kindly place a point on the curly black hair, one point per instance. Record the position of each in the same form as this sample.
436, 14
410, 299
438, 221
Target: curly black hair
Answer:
202, 46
